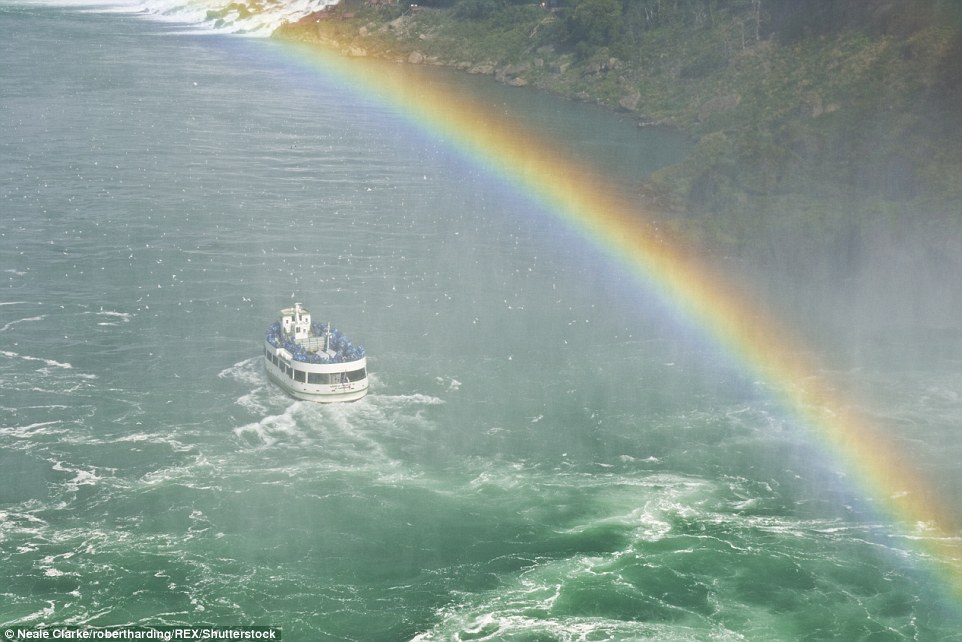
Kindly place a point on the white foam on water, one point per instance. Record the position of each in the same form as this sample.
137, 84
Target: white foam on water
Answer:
270, 429
249, 371
285, 421
82, 477
113, 319
244, 17
545, 600
197, 473
50, 363
388, 402
23, 531
43, 615
31, 430
123, 316
366, 437
262, 397
10, 324
499, 622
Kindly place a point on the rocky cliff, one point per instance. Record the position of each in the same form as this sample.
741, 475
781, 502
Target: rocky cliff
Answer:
837, 116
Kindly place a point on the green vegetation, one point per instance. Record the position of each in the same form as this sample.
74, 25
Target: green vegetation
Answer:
837, 115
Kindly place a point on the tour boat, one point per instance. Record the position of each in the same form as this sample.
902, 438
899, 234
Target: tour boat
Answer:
313, 361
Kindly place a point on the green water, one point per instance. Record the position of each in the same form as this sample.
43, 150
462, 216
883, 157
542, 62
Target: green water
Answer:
545, 454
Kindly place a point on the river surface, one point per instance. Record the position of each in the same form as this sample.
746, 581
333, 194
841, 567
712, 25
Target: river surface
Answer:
542, 455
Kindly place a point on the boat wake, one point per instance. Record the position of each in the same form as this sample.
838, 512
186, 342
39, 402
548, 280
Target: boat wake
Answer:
335, 436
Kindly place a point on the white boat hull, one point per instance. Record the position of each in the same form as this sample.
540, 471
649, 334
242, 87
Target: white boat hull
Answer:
323, 383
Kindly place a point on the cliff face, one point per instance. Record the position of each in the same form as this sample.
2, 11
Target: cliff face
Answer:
836, 114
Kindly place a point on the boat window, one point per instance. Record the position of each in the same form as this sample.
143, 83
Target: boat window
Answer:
356, 375
300, 375
289, 371
318, 377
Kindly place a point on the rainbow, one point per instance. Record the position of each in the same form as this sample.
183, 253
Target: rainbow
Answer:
758, 343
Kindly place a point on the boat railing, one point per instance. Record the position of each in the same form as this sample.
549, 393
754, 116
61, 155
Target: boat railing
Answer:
313, 344
311, 350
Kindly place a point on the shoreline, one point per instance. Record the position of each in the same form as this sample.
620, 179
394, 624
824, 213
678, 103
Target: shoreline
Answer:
801, 149
356, 36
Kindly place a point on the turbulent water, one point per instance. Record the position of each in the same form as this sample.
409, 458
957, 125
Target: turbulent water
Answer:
544, 455
257, 18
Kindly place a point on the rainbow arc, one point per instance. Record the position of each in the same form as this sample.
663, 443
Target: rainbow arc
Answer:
759, 344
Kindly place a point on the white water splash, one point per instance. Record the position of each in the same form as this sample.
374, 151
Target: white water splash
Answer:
50, 363
246, 17
10, 324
